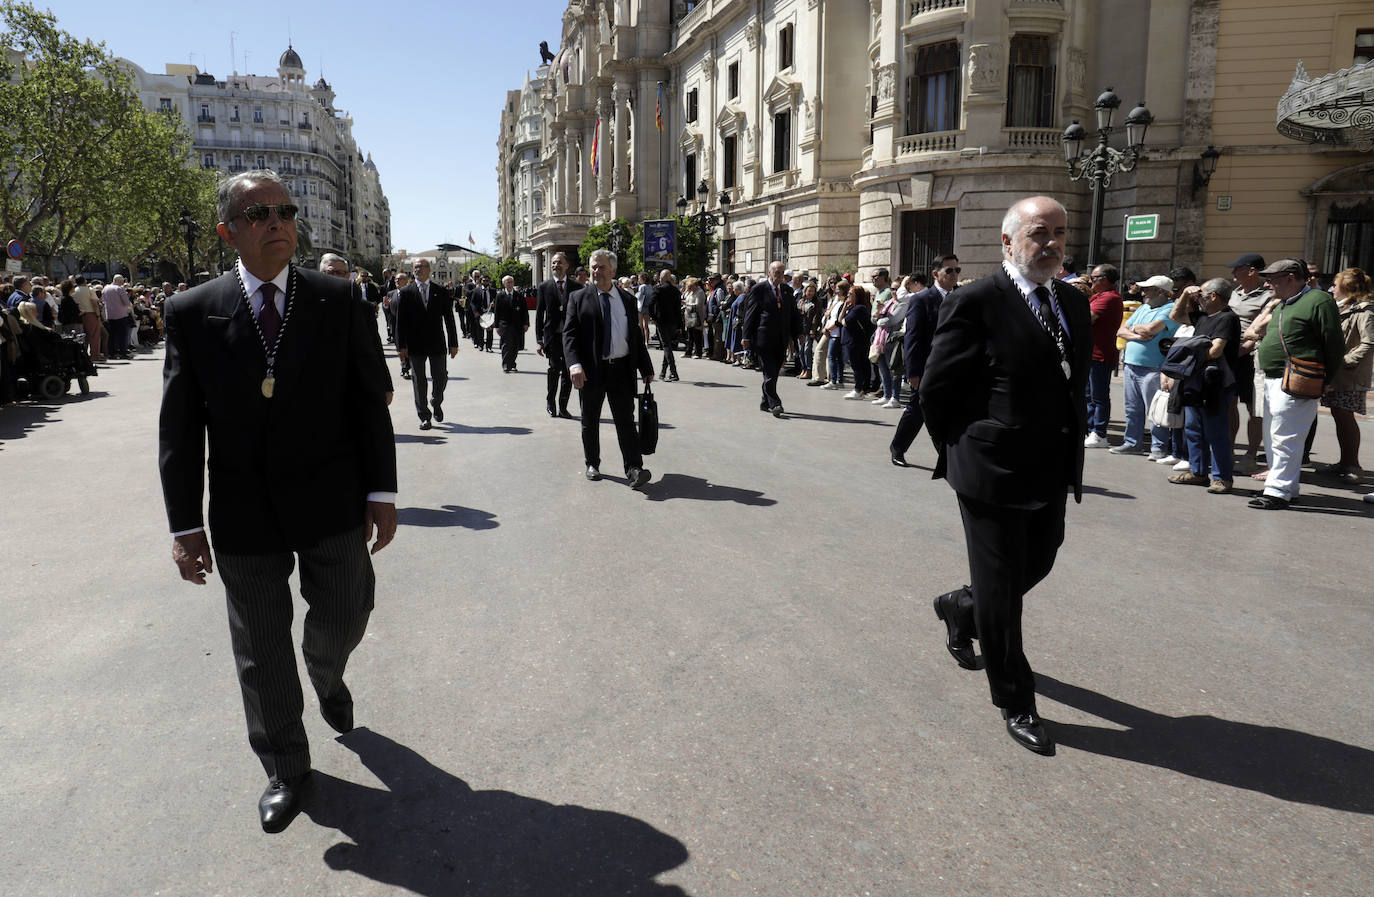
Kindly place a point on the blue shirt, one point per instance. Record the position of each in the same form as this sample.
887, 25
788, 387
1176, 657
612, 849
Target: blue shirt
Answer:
1144, 353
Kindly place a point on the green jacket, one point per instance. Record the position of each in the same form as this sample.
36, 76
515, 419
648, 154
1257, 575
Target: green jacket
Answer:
1311, 328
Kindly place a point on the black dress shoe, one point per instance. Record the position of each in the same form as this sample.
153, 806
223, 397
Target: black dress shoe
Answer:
637, 476
426, 425
1269, 503
898, 459
1027, 729
338, 711
592, 473
405, 375
281, 802
551, 412
777, 411
563, 412
438, 412
960, 646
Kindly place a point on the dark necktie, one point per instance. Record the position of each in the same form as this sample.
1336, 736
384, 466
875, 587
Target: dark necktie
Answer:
605, 325
269, 319
1051, 322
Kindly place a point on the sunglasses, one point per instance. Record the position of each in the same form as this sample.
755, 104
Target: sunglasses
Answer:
255, 214
953, 270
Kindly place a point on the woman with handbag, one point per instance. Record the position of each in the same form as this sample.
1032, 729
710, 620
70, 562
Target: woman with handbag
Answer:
1345, 394
890, 319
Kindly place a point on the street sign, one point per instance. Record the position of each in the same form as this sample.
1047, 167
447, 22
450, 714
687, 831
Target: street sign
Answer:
14, 266
14, 249
660, 243
1142, 227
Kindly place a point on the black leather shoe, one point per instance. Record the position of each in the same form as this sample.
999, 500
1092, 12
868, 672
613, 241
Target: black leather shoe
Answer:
637, 476
1269, 503
426, 425
1028, 730
551, 412
438, 412
960, 646
592, 473
563, 412
777, 411
281, 802
338, 711
898, 459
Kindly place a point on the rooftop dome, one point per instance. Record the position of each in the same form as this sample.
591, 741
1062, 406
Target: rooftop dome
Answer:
290, 59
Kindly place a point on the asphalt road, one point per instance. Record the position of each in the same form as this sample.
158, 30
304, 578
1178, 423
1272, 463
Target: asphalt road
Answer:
729, 684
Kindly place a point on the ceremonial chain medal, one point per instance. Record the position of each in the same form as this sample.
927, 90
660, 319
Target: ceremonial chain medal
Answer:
269, 382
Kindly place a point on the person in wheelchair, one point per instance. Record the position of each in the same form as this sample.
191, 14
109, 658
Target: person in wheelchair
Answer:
47, 361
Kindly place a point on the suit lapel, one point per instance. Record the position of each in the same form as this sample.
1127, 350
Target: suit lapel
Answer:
298, 333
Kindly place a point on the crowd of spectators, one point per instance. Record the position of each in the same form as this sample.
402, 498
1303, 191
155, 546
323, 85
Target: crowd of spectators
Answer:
63, 329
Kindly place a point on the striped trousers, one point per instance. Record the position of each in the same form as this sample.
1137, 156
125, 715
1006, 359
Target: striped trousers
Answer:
337, 583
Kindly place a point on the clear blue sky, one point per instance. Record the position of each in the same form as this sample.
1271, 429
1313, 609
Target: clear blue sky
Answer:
424, 81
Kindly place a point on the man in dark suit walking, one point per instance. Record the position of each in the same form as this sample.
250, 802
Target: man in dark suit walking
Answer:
1003, 394
479, 303
771, 322
604, 348
275, 365
922, 311
549, 307
512, 320
425, 334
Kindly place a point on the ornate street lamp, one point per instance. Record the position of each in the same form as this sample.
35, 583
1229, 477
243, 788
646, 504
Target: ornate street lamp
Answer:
190, 230
1101, 162
1203, 176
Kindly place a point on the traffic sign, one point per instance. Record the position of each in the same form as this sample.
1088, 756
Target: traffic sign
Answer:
1142, 227
14, 249
13, 266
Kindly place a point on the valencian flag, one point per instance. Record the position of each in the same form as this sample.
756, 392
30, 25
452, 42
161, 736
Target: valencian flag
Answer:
658, 109
596, 154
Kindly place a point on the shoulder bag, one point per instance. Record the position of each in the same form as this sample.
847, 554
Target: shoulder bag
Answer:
1302, 379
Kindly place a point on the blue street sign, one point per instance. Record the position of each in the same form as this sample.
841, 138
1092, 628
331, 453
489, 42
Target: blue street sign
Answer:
15, 250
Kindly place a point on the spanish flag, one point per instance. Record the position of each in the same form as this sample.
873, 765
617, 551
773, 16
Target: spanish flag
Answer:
658, 109
596, 154
470, 239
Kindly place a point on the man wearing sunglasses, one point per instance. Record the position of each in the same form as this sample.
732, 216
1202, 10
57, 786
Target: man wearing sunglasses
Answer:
922, 311
275, 366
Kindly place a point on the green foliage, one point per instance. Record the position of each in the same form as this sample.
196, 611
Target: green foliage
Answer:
839, 266
630, 259
495, 269
694, 255
85, 166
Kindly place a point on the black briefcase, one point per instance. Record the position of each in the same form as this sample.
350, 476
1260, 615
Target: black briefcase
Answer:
648, 421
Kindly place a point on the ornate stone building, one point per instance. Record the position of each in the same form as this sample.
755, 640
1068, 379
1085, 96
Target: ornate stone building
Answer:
522, 177
282, 123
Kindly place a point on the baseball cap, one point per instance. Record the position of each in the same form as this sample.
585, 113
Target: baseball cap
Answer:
1287, 266
1159, 282
1250, 259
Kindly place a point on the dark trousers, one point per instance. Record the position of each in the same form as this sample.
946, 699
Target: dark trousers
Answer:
696, 344
338, 584
510, 347
908, 426
481, 336
666, 338
1099, 396
438, 364
1010, 550
558, 371
390, 321
770, 363
613, 382
857, 356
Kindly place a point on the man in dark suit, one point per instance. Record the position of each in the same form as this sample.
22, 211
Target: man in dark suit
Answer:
425, 334
479, 303
922, 311
512, 320
549, 304
1003, 394
604, 347
771, 322
275, 365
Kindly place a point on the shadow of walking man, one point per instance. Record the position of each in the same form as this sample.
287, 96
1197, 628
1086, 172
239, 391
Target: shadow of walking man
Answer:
1282, 763
430, 833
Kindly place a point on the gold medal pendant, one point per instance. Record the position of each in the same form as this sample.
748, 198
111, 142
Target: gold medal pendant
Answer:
269, 384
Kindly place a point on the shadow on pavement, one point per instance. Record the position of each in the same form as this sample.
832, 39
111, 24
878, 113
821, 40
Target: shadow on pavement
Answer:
835, 420
716, 385
430, 833
507, 431
1105, 493
18, 420
426, 440
1281, 763
1341, 505
677, 485
448, 515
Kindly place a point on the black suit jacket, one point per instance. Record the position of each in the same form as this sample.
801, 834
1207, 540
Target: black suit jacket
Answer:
548, 313
512, 315
768, 323
922, 314
582, 330
1008, 424
369, 292
287, 471
479, 301
420, 329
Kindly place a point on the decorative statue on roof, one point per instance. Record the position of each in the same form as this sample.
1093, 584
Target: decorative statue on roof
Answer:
545, 57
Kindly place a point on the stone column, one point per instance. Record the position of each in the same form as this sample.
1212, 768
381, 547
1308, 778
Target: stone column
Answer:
621, 99
565, 165
576, 183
